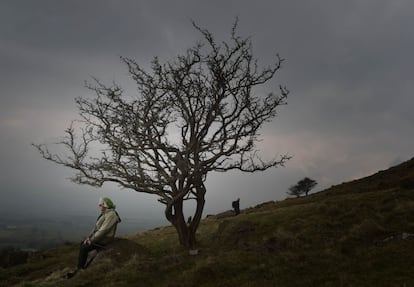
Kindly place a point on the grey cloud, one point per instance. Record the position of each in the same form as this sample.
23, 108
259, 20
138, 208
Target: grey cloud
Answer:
348, 66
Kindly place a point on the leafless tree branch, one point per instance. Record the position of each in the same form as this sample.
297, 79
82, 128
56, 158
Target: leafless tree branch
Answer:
195, 114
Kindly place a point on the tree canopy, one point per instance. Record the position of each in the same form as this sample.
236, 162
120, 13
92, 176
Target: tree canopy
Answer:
190, 116
302, 187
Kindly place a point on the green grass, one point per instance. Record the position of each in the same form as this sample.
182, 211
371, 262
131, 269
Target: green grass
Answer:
349, 235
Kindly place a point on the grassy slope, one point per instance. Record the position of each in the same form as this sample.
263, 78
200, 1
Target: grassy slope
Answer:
353, 234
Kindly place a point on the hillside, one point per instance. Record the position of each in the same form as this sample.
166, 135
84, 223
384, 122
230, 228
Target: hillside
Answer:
359, 233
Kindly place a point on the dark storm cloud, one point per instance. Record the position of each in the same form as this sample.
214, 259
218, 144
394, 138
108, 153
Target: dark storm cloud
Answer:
82, 26
348, 66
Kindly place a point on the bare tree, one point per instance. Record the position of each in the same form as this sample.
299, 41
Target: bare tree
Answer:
196, 114
302, 187
295, 191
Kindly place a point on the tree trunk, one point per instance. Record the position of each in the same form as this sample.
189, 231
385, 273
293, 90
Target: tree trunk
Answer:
195, 222
187, 232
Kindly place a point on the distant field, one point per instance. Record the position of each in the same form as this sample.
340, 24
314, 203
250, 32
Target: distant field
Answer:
43, 233
38, 235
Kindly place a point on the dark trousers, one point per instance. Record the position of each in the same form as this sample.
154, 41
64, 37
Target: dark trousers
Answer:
83, 254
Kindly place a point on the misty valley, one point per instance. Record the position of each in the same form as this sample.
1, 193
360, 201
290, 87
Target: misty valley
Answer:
39, 233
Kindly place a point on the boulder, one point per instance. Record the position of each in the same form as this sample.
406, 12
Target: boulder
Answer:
119, 251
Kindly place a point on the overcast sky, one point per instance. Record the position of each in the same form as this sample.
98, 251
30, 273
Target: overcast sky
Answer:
348, 68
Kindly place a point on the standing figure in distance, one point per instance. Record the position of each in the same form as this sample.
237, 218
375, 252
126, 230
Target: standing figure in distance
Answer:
236, 205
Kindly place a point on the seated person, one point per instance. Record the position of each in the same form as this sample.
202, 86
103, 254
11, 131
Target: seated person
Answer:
101, 235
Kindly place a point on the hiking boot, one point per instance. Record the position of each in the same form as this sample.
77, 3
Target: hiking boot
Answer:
71, 274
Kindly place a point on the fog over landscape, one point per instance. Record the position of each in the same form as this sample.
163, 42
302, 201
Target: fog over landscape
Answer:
347, 65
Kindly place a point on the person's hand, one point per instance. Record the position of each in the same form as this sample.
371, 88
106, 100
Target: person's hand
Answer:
87, 241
